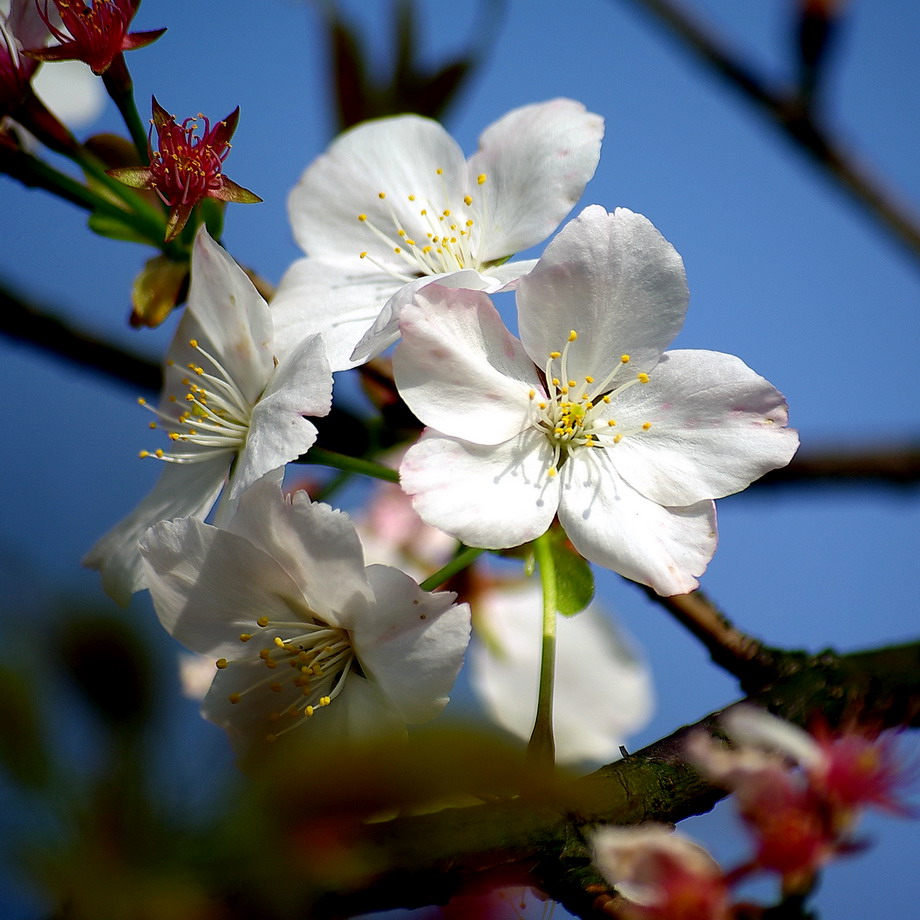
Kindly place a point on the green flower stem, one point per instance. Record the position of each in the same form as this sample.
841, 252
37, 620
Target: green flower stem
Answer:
35, 173
146, 218
464, 557
120, 88
321, 457
542, 748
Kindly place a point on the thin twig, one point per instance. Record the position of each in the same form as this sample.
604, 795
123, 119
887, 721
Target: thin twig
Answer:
747, 658
784, 109
40, 329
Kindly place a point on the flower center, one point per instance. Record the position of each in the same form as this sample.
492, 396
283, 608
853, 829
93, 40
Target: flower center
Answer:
187, 167
216, 414
570, 415
431, 238
307, 661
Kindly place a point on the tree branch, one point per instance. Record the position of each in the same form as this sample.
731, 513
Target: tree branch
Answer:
425, 859
750, 660
786, 111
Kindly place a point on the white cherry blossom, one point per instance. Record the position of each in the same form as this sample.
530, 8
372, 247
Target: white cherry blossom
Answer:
586, 417
303, 635
393, 204
229, 408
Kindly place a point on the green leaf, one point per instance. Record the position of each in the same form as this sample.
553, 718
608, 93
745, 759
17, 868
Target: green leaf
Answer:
574, 577
115, 229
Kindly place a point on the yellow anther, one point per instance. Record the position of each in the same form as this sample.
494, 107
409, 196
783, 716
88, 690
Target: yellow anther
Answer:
573, 335
643, 377
174, 436
646, 426
193, 343
555, 381
152, 425
263, 621
624, 359
381, 195
589, 380
446, 212
325, 700
401, 233
141, 401
410, 242
221, 663
362, 217
573, 383
362, 255
158, 453
245, 637
617, 439
555, 354
412, 198
309, 711
439, 171
467, 200
532, 394
552, 472
396, 249
144, 454
612, 422
279, 642
481, 178
234, 698
469, 222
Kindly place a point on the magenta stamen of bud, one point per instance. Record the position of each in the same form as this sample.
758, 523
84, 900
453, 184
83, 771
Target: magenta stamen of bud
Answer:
94, 34
187, 167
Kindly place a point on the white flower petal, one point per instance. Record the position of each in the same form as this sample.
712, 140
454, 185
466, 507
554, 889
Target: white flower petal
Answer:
750, 726
209, 585
601, 691
398, 157
613, 525
236, 320
614, 280
183, 490
278, 432
537, 160
716, 426
385, 329
459, 369
490, 496
412, 642
316, 545
339, 303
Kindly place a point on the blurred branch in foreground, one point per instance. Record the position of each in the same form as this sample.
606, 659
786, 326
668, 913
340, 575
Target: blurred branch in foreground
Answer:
424, 859
32, 325
790, 112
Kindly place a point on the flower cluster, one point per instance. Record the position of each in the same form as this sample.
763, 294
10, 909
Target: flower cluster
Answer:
588, 419
799, 795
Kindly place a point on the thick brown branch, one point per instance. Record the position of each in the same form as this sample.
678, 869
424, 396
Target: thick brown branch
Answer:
785, 110
426, 859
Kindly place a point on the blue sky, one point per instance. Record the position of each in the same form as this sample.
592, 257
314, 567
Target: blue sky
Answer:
783, 271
